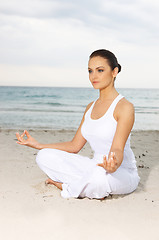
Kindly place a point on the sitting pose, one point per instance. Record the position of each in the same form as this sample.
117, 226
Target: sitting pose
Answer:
106, 125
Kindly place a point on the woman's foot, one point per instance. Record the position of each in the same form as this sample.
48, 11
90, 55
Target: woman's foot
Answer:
49, 181
57, 184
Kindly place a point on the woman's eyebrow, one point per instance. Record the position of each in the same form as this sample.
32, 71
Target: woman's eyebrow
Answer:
97, 67
100, 67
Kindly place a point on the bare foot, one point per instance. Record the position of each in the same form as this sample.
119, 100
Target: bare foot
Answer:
57, 184
49, 181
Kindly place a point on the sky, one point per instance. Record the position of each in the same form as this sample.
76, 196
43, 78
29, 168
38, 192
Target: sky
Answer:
48, 42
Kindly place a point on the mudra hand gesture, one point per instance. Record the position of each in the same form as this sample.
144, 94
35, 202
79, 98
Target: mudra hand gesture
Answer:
111, 164
29, 141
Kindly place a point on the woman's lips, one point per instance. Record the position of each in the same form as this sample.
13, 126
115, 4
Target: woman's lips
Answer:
95, 82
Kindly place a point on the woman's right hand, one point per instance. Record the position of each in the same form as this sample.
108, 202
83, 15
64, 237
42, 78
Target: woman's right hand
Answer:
30, 141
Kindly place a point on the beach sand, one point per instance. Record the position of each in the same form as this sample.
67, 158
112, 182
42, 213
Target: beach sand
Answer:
30, 210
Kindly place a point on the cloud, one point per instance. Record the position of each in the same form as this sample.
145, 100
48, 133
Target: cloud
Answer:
128, 21
61, 34
113, 13
48, 9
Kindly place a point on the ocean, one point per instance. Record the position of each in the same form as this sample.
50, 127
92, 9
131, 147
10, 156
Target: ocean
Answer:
63, 108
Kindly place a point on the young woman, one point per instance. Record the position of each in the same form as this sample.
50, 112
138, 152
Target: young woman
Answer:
106, 125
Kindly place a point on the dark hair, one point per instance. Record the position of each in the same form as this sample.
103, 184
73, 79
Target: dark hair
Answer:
109, 56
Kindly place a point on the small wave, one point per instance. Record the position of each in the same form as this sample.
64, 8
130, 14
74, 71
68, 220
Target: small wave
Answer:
148, 110
155, 113
42, 96
48, 103
58, 104
144, 107
39, 110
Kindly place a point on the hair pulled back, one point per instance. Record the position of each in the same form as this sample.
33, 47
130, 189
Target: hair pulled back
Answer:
109, 56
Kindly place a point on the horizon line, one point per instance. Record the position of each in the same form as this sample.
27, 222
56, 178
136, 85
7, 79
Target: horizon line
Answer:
73, 87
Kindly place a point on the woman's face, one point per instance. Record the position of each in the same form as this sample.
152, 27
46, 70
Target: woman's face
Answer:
100, 73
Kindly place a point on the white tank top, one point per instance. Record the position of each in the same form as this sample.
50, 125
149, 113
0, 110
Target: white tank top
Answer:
100, 133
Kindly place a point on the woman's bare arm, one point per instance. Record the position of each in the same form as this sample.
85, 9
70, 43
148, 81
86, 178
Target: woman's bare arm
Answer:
73, 146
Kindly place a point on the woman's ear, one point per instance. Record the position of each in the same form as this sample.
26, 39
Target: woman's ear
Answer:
115, 71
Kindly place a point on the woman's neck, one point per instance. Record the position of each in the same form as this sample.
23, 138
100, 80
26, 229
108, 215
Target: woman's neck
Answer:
105, 94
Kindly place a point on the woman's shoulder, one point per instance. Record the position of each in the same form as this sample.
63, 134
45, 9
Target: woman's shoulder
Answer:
125, 104
88, 106
124, 107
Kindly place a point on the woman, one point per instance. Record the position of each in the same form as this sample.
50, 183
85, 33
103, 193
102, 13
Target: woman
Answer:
106, 125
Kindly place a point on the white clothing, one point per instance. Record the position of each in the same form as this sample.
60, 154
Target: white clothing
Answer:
80, 175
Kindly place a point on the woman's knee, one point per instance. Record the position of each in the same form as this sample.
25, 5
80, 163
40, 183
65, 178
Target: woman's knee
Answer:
122, 182
47, 156
41, 156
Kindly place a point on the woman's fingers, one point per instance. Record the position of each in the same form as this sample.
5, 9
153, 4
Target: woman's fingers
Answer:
27, 133
112, 154
105, 161
100, 165
21, 143
104, 164
28, 141
23, 134
109, 164
112, 164
104, 158
20, 137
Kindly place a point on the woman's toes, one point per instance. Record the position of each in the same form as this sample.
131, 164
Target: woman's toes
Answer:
49, 181
46, 182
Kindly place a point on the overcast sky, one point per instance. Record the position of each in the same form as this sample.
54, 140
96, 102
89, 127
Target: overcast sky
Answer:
48, 42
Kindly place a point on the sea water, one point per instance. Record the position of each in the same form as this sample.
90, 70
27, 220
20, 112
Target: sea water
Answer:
63, 108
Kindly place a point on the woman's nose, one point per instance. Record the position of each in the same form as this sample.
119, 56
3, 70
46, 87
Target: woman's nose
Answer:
94, 75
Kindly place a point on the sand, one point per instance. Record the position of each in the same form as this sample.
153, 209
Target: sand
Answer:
30, 210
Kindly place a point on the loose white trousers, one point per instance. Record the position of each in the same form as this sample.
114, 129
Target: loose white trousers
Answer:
81, 177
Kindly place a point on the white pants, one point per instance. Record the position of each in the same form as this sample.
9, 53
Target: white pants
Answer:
81, 177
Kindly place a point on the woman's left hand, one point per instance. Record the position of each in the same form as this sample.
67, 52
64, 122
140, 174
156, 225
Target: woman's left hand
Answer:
110, 165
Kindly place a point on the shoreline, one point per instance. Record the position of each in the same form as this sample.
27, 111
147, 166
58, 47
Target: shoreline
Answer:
66, 130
